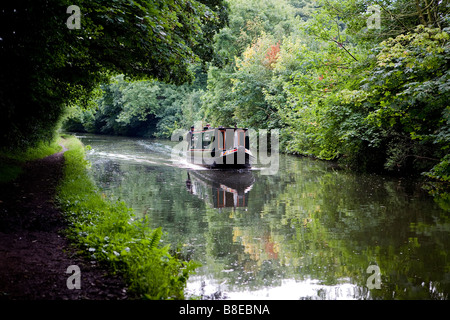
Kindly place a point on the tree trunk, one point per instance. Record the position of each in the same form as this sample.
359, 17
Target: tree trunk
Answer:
419, 11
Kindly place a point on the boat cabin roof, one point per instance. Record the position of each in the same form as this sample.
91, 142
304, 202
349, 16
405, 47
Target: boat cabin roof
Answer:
207, 129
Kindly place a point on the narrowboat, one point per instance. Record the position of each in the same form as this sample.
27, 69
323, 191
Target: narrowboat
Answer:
219, 148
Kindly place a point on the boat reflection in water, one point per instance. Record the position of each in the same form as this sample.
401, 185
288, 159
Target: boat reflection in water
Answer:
221, 188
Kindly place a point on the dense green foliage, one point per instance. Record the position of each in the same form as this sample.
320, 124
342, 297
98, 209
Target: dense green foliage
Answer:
109, 233
374, 99
139, 108
46, 66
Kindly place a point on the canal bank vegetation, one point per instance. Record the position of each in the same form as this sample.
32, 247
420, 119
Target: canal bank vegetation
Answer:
373, 98
108, 233
13, 160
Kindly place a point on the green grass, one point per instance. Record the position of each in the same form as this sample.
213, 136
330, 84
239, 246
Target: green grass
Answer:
12, 161
110, 233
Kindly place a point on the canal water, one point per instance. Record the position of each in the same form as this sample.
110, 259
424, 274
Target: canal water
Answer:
310, 231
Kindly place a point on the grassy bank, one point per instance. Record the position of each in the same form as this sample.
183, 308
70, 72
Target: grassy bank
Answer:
109, 233
11, 162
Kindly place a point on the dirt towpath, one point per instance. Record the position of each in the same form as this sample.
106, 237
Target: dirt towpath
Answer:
34, 254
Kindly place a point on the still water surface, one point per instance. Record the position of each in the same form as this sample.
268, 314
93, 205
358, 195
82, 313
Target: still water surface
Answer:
308, 232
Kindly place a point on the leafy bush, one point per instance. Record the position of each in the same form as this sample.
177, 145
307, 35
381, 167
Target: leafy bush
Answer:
404, 99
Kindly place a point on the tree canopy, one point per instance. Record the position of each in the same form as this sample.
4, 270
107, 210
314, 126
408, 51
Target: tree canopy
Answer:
45, 65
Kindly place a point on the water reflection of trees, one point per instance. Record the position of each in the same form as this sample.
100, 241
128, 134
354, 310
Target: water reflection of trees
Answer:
307, 222
331, 226
345, 222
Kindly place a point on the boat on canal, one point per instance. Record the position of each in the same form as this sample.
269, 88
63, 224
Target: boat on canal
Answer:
219, 148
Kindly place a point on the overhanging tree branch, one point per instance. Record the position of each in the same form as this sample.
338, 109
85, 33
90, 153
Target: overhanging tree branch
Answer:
393, 16
343, 47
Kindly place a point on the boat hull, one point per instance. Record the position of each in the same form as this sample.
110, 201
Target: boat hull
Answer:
235, 158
